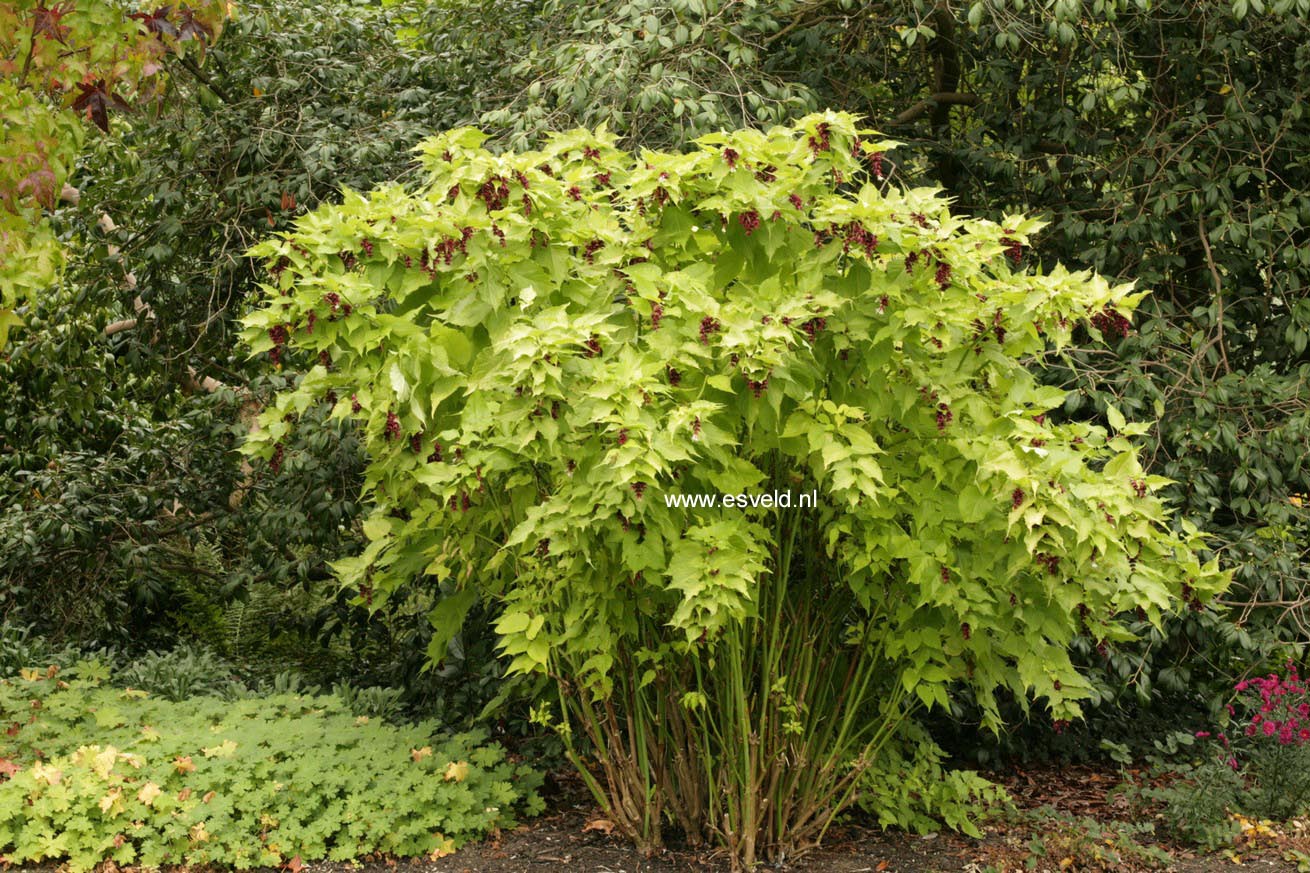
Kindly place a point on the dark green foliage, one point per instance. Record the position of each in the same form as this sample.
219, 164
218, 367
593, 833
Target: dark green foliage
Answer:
185, 672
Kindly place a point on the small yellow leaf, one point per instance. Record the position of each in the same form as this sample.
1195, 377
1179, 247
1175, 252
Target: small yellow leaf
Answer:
1226, 88
199, 834
224, 749
47, 774
30, 675
148, 793
456, 771
107, 802
183, 764
1066, 862
149, 734
103, 762
420, 754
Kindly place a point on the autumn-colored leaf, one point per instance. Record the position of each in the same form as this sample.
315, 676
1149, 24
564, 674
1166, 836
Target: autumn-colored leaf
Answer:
456, 771
45, 21
94, 102
604, 825
8, 768
183, 764
295, 865
148, 793
420, 754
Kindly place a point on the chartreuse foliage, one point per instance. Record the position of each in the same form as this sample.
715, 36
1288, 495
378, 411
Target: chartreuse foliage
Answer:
540, 347
96, 773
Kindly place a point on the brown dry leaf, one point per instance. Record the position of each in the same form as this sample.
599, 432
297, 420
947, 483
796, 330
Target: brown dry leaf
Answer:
604, 825
419, 754
183, 764
295, 865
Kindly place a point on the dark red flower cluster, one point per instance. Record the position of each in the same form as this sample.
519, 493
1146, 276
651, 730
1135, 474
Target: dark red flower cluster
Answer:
858, 235
1013, 248
766, 174
708, 326
275, 463
675, 377
575, 192
813, 326
875, 165
796, 201
750, 221
943, 276
730, 155
393, 426
944, 416
435, 457
1016, 498
354, 404
758, 388
821, 143
638, 488
592, 247
623, 436
1050, 562
593, 346
445, 249
1139, 487
998, 326
494, 193
347, 259
366, 246
656, 313
1111, 324
965, 630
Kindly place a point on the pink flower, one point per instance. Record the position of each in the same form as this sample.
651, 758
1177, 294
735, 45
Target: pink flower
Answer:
1200, 735
1271, 728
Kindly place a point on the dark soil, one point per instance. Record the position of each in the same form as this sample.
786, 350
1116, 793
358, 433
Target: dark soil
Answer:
574, 837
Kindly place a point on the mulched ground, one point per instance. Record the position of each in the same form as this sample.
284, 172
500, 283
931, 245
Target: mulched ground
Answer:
569, 839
